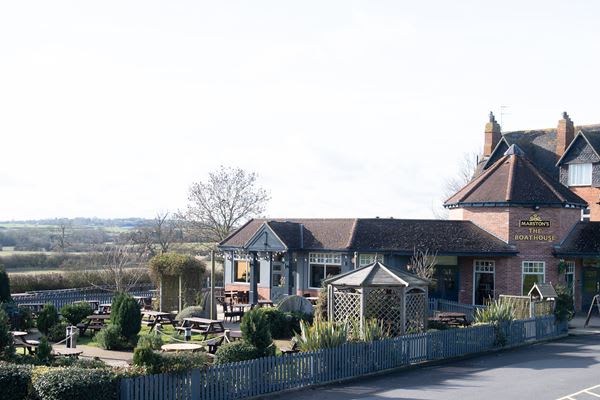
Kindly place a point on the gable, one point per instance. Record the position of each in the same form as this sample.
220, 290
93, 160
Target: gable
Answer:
580, 151
265, 240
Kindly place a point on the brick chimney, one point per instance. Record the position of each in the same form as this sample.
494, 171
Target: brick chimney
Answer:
492, 136
564, 134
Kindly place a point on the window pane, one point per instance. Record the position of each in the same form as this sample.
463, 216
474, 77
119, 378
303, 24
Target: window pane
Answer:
530, 280
316, 275
240, 271
580, 174
332, 271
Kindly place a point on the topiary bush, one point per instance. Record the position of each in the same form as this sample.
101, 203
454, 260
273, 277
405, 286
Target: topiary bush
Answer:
76, 312
43, 354
58, 332
76, 383
7, 346
255, 330
146, 357
152, 341
14, 381
47, 318
127, 317
193, 311
278, 321
110, 338
116, 302
236, 351
182, 361
564, 308
4, 286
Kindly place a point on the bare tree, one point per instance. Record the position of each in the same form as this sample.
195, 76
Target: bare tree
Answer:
158, 237
229, 197
422, 263
59, 240
466, 170
122, 266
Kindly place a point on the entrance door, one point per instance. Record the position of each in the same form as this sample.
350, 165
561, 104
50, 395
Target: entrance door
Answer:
591, 286
444, 284
279, 275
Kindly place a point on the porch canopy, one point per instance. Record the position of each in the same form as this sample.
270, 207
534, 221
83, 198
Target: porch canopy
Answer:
395, 298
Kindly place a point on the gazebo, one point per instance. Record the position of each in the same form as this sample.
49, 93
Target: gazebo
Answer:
396, 298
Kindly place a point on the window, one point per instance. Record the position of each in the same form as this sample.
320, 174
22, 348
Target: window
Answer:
483, 289
570, 276
241, 271
580, 174
323, 265
585, 214
366, 259
533, 272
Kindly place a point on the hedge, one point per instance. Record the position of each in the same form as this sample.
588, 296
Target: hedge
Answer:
14, 381
76, 383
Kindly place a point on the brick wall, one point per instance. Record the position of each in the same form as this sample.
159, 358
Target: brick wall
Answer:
592, 196
495, 220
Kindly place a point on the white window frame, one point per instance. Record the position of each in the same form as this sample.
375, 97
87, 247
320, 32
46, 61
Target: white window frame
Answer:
580, 174
570, 270
485, 267
233, 277
529, 264
324, 260
369, 258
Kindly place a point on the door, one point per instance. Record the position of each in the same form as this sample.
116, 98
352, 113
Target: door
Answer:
279, 286
444, 284
591, 287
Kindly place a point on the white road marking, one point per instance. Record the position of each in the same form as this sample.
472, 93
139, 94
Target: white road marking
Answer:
587, 391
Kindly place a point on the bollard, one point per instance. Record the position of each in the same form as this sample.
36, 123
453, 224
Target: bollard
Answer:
71, 338
188, 333
158, 327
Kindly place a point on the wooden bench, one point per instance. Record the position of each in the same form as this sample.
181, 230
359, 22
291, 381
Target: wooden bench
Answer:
202, 326
292, 348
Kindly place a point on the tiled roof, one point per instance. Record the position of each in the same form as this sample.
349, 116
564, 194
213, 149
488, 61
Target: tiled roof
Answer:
377, 274
400, 236
514, 180
583, 240
540, 146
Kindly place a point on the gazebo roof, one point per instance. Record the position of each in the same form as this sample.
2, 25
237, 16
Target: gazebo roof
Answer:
377, 274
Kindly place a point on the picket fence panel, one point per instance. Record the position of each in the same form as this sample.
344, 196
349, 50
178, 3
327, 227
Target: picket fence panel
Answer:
272, 374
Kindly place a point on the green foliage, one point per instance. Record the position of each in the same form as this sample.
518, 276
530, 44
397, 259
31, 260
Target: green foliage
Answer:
116, 302
321, 335
255, 330
151, 340
47, 318
564, 308
371, 331
76, 312
496, 312
172, 264
193, 311
7, 347
284, 325
236, 351
43, 353
127, 317
25, 319
110, 338
4, 286
58, 332
146, 357
78, 362
182, 361
14, 381
76, 383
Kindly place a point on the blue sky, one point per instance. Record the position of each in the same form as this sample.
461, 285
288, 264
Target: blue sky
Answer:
344, 108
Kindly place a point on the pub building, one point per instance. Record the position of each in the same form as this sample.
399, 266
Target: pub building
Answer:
530, 214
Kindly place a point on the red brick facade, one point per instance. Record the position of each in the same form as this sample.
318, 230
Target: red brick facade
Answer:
592, 196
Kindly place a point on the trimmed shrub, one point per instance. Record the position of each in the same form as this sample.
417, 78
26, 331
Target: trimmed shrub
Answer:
152, 341
43, 353
76, 312
85, 363
148, 358
14, 381
127, 317
110, 338
191, 312
278, 321
47, 318
564, 308
182, 361
58, 332
76, 383
236, 351
4, 286
116, 303
255, 330
7, 346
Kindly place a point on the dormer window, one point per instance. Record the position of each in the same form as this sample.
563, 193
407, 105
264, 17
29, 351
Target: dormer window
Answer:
580, 174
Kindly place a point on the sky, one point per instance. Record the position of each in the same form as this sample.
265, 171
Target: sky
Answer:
343, 108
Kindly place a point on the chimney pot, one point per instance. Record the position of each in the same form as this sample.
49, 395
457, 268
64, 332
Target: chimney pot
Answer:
565, 133
492, 135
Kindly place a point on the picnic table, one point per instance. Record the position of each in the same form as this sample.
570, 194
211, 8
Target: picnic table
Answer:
181, 347
20, 341
202, 326
93, 322
104, 308
233, 335
151, 318
145, 302
452, 318
265, 303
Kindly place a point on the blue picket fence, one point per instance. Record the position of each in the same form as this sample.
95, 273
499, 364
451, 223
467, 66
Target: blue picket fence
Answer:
273, 374
67, 296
